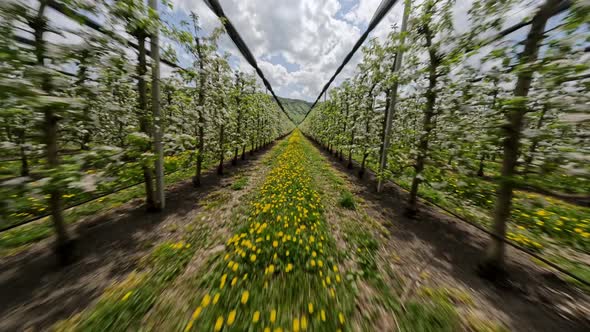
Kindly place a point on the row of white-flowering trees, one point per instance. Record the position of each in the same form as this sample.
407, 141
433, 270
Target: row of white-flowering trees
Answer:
479, 113
78, 118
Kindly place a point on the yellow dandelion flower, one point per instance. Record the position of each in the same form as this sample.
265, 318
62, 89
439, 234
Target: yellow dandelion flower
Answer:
295, 324
206, 300
231, 317
245, 296
310, 307
253, 258
216, 298
341, 318
303, 323
196, 313
223, 279
219, 323
126, 296
256, 316
275, 243
323, 315
273, 315
234, 281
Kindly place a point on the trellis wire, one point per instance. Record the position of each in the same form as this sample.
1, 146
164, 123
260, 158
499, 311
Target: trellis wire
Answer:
243, 48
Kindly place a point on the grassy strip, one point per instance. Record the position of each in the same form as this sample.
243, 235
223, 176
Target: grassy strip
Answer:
124, 305
278, 270
379, 287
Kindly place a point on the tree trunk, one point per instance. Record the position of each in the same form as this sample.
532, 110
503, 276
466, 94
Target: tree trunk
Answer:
349, 165
24, 168
345, 123
143, 121
158, 127
238, 129
201, 119
222, 151
480, 172
493, 265
64, 245
427, 125
363, 165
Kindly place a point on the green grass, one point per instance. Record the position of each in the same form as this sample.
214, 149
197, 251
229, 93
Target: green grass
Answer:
347, 200
429, 310
240, 183
277, 262
124, 305
435, 316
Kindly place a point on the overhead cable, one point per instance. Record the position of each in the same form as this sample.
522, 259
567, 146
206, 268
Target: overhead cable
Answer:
380, 13
242, 47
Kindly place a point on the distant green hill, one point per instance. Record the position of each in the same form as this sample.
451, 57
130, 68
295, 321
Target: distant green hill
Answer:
296, 108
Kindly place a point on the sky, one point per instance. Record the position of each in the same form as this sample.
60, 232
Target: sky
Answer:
298, 43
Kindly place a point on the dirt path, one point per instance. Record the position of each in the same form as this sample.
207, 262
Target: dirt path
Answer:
436, 251
36, 293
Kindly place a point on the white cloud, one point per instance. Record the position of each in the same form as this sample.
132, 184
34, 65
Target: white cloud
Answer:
362, 12
306, 36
